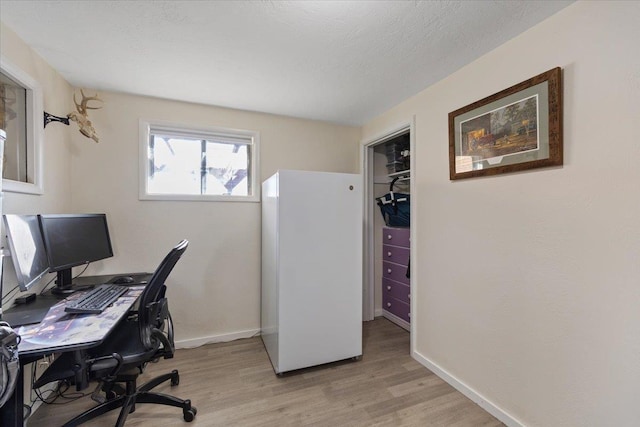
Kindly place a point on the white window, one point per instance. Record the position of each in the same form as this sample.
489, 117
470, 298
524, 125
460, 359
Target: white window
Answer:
185, 163
21, 117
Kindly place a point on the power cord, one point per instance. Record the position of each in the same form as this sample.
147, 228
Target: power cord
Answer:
83, 270
8, 294
58, 392
47, 285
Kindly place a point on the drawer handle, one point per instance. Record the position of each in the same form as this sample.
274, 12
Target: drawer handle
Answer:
388, 304
409, 296
388, 288
389, 270
389, 236
389, 253
409, 315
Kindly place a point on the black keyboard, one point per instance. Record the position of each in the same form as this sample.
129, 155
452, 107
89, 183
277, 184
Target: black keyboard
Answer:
95, 300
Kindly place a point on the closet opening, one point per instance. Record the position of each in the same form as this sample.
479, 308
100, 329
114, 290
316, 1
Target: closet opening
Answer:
387, 163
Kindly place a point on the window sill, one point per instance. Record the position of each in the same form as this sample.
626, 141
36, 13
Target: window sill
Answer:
11, 186
198, 198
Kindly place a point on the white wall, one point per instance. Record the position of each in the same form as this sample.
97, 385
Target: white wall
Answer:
528, 285
215, 289
55, 144
55, 137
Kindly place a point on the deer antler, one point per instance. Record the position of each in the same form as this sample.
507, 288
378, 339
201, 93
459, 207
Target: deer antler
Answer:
83, 107
82, 118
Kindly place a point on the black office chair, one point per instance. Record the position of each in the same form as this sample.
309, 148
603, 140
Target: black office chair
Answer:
144, 337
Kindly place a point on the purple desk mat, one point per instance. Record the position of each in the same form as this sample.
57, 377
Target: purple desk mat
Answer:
59, 330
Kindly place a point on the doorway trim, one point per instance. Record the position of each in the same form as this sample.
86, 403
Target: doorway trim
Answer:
366, 158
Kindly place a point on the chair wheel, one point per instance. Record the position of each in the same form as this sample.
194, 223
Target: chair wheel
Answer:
175, 378
189, 414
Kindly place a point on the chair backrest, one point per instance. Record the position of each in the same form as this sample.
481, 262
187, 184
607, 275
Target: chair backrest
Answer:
154, 311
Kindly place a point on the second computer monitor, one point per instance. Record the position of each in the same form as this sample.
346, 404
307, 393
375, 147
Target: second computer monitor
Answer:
74, 239
27, 249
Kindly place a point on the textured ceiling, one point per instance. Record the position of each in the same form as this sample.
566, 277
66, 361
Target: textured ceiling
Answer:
339, 61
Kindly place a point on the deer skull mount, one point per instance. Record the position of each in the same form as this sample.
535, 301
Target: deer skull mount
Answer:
81, 116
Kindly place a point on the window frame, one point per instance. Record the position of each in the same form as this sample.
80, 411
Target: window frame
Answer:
146, 127
34, 131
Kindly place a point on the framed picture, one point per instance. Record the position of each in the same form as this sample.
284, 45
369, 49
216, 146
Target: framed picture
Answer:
516, 129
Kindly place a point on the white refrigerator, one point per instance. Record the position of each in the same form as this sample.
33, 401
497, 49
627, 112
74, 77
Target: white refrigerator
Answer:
311, 268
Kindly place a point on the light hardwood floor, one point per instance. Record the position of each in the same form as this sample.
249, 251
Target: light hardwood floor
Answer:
233, 384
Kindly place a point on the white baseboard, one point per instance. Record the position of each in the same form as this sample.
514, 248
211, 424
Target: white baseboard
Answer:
395, 319
197, 342
476, 397
378, 312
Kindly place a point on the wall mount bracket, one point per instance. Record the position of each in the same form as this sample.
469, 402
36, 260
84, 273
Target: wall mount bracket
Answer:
48, 118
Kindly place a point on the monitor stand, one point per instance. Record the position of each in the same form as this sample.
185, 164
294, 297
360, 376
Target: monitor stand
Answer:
64, 286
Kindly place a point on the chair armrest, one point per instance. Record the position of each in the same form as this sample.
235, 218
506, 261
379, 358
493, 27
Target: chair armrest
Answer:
168, 346
94, 364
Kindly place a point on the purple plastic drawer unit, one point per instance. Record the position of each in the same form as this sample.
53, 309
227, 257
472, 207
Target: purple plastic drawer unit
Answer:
396, 287
396, 236
395, 272
396, 290
395, 254
396, 307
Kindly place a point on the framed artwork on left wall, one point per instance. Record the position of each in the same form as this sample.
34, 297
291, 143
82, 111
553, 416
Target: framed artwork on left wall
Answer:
516, 129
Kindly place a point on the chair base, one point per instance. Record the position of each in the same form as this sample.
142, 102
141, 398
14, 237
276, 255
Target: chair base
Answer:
127, 402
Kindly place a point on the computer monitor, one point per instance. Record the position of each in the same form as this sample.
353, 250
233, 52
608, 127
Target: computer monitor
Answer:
71, 240
27, 249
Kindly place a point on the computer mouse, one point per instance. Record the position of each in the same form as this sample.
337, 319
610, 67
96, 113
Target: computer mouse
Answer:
123, 280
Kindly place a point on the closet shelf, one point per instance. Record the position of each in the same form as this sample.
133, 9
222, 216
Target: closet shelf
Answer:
405, 173
386, 179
